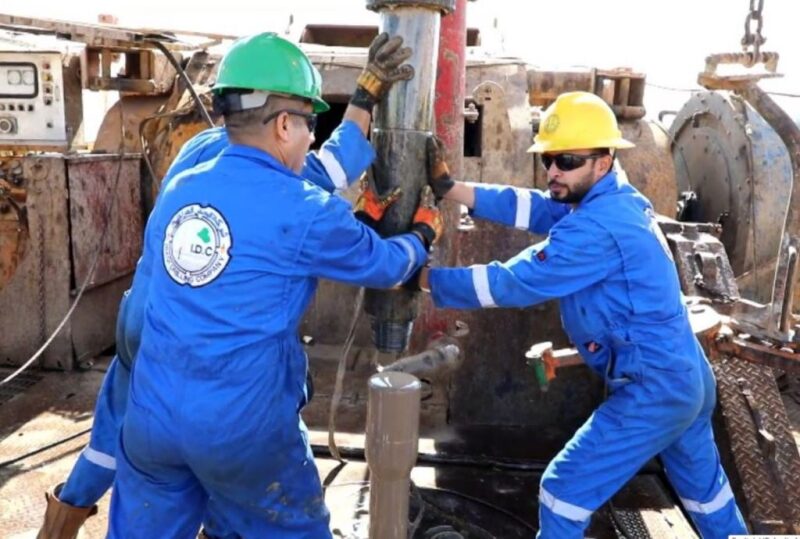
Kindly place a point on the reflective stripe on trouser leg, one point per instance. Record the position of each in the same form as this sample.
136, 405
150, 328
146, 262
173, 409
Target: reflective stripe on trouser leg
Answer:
693, 467
562, 508
561, 519
94, 471
722, 523
719, 501
718, 518
627, 430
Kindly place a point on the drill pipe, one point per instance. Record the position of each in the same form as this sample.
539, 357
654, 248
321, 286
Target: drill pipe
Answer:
403, 123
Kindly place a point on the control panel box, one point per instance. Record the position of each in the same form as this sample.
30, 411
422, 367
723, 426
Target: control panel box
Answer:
32, 104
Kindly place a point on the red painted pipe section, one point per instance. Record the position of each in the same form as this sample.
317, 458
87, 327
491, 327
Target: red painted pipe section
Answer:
449, 112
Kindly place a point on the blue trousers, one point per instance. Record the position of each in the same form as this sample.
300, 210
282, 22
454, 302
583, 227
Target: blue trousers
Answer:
657, 412
226, 436
94, 472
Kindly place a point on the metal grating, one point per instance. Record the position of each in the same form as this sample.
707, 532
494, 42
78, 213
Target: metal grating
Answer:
18, 385
629, 524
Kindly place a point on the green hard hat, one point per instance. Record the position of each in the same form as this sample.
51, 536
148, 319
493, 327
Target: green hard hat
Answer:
269, 63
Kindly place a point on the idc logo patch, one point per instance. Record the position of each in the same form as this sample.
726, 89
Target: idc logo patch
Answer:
196, 245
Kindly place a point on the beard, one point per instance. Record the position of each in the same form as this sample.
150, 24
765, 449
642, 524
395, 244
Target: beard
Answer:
574, 194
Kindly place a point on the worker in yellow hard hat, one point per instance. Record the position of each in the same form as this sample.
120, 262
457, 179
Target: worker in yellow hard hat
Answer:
607, 262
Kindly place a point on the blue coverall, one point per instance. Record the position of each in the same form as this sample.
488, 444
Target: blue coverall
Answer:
93, 473
236, 245
621, 305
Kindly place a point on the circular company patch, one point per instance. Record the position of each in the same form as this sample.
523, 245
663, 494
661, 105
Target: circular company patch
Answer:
196, 245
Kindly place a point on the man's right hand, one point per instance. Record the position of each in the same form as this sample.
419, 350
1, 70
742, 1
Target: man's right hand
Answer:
427, 223
370, 207
384, 67
438, 171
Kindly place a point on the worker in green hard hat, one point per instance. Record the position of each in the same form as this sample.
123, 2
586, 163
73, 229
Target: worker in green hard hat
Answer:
232, 254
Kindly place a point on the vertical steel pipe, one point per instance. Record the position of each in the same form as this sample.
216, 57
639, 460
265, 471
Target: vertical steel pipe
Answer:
403, 122
391, 451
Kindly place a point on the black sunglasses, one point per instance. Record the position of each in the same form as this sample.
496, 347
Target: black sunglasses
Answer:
568, 161
310, 117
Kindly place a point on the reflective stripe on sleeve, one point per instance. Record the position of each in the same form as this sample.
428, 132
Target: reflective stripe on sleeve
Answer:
333, 168
101, 459
523, 217
480, 280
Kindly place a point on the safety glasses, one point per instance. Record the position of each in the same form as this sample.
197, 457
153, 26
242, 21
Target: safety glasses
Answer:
567, 161
310, 117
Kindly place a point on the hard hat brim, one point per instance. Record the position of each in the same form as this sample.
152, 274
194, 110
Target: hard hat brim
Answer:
616, 144
320, 105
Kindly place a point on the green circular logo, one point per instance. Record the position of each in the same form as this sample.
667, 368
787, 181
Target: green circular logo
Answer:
551, 124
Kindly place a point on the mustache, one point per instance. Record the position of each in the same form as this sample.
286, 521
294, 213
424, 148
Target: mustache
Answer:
551, 183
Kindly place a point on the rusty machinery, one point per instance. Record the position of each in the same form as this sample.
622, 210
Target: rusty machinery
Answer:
71, 219
739, 152
491, 416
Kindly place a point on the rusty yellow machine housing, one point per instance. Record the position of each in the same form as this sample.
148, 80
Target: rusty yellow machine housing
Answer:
72, 217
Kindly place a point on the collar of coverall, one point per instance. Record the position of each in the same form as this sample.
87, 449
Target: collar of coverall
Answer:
259, 157
607, 184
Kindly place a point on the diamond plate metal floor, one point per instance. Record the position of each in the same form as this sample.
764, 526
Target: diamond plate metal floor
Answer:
52, 408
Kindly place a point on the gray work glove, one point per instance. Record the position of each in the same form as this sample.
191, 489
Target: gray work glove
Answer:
384, 67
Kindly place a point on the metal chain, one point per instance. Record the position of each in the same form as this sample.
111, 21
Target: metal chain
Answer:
751, 39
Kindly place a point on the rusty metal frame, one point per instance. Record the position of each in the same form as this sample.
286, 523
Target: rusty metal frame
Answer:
773, 320
106, 35
783, 358
703, 266
141, 73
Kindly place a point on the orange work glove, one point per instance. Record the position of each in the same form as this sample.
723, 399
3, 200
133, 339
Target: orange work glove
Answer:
370, 207
427, 223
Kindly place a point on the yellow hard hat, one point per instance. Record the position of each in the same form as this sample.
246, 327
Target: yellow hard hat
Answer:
577, 121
